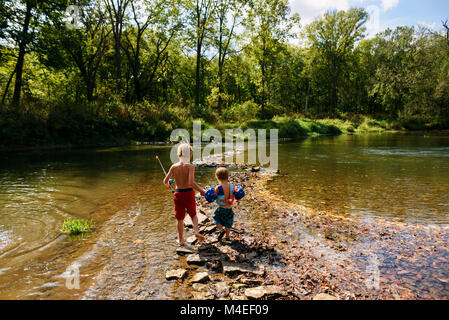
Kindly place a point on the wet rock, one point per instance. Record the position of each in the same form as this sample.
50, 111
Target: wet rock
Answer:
202, 295
199, 287
264, 292
232, 269
210, 229
222, 290
251, 282
200, 277
212, 239
175, 274
324, 296
195, 259
182, 251
201, 220
191, 240
238, 286
234, 296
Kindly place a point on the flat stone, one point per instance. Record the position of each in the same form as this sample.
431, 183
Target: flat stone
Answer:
263, 291
238, 286
210, 229
202, 296
234, 296
199, 287
222, 289
195, 259
182, 251
175, 274
201, 220
251, 282
191, 240
200, 277
324, 296
236, 269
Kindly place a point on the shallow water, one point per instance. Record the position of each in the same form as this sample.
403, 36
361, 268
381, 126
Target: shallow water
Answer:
392, 176
38, 190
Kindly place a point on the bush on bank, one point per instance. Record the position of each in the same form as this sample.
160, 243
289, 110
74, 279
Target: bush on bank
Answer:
113, 122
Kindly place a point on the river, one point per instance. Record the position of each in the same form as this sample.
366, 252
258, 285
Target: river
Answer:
392, 176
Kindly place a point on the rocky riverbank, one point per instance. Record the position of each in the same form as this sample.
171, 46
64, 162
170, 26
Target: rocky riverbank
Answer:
252, 264
277, 250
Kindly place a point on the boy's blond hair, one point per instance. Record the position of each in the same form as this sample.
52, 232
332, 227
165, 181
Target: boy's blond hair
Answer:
222, 174
185, 151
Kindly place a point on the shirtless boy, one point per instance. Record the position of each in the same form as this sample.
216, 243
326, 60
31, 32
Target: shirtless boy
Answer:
184, 197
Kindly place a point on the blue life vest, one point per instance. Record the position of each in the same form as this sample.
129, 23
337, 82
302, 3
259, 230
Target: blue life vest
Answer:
221, 198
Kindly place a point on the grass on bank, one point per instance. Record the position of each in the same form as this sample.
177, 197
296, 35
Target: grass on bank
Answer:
115, 123
293, 127
77, 226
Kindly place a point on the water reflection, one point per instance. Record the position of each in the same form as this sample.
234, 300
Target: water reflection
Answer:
404, 176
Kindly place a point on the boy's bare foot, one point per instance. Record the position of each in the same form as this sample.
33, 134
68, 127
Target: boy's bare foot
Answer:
181, 243
220, 236
200, 237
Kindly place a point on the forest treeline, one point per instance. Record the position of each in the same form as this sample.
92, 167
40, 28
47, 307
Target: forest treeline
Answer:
106, 70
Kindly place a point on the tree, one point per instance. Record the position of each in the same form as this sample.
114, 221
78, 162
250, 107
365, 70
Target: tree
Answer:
332, 39
163, 18
86, 46
269, 25
201, 17
19, 27
226, 10
116, 14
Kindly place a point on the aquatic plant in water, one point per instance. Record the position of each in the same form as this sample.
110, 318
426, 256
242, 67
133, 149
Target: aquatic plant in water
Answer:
77, 226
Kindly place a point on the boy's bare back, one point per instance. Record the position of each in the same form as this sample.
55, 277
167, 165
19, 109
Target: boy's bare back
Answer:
184, 175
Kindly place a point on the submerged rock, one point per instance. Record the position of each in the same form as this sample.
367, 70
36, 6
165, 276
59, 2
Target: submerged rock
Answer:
175, 274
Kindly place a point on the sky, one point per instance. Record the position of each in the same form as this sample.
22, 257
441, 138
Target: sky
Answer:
384, 13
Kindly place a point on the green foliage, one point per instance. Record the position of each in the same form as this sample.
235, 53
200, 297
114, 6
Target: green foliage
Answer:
77, 226
248, 73
245, 111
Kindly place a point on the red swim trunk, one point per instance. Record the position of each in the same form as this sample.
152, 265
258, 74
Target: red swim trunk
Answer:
184, 200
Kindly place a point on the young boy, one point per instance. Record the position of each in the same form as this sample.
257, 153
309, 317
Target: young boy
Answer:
184, 197
223, 215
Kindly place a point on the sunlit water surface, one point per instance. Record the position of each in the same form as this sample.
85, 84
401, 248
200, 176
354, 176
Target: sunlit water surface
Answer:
390, 176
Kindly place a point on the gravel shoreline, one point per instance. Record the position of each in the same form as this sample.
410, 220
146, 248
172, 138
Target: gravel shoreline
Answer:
281, 250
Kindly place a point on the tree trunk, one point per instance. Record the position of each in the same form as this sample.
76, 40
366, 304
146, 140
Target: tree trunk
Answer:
334, 97
198, 75
306, 108
263, 91
7, 88
21, 57
118, 63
